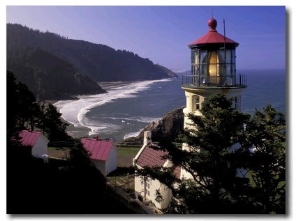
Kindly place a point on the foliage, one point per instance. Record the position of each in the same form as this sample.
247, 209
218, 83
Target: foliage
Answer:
23, 112
265, 162
52, 124
22, 108
210, 160
219, 144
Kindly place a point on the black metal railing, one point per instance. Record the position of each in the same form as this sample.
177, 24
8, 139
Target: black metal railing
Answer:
195, 81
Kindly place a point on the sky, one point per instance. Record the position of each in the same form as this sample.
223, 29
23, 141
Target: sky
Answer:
268, 38
162, 33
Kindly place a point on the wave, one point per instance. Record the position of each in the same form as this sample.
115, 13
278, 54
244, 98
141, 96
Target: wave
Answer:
74, 111
133, 134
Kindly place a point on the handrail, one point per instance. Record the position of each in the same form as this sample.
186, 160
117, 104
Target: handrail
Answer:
195, 81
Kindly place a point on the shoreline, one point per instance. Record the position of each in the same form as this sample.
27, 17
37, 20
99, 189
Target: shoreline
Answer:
81, 131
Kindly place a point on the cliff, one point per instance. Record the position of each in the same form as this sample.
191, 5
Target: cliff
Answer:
168, 127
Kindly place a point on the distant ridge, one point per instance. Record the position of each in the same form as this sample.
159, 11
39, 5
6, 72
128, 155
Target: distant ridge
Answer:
99, 62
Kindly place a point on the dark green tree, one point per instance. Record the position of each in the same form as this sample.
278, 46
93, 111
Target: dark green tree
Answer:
210, 160
22, 108
12, 106
52, 124
265, 162
29, 108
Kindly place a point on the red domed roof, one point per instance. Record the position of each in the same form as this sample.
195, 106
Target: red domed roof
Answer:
212, 37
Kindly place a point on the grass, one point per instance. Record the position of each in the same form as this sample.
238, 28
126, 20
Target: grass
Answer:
127, 151
125, 156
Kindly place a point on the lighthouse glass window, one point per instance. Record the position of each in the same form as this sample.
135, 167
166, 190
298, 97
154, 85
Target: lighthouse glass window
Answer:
203, 66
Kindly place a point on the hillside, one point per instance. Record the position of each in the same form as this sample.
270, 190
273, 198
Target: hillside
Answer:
48, 76
100, 62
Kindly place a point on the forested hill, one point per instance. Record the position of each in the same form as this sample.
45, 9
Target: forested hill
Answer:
100, 62
47, 76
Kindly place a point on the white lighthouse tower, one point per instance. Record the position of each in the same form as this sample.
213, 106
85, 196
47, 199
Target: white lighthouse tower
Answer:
213, 71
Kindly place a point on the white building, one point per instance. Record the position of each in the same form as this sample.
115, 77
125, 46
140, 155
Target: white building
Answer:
37, 141
146, 188
103, 154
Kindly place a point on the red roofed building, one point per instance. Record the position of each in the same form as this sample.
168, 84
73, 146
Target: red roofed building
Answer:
36, 140
103, 154
146, 187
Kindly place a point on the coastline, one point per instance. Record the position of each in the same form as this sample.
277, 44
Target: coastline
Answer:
75, 132
117, 124
79, 132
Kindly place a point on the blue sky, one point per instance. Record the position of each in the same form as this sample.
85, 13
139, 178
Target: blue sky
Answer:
162, 33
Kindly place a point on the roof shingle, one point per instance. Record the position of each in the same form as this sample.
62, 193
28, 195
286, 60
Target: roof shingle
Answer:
99, 149
29, 138
151, 157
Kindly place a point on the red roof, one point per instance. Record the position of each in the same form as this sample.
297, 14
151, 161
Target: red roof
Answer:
99, 149
151, 157
213, 37
29, 138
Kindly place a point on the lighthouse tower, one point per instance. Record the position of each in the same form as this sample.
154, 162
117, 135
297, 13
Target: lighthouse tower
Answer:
213, 71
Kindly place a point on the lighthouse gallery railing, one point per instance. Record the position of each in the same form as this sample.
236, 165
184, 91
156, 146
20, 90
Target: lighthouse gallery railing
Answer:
195, 81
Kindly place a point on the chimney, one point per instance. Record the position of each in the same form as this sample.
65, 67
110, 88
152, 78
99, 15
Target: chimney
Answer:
147, 137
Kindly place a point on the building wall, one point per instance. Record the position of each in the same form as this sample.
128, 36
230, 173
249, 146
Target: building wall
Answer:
111, 163
41, 147
147, 188
105, 167
100, 165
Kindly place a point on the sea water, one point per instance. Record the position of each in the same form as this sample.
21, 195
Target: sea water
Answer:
128, 107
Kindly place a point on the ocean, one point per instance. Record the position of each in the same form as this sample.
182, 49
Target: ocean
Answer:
129, 106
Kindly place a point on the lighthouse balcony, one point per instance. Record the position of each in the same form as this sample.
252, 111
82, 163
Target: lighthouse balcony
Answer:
195, 81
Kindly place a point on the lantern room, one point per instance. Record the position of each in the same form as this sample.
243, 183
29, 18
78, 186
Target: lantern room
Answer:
213, 58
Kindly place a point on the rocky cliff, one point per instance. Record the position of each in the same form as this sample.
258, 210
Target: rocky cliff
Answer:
168, 127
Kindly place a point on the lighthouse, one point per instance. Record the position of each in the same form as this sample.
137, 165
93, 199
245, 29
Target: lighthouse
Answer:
213, 71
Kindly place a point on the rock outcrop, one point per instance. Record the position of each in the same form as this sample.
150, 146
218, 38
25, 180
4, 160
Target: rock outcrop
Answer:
168, 127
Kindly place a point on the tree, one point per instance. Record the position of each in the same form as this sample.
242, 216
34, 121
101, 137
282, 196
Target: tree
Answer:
265, 162
22, 108
12, 106
52, 124
24, 112
29, 108
210, 160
